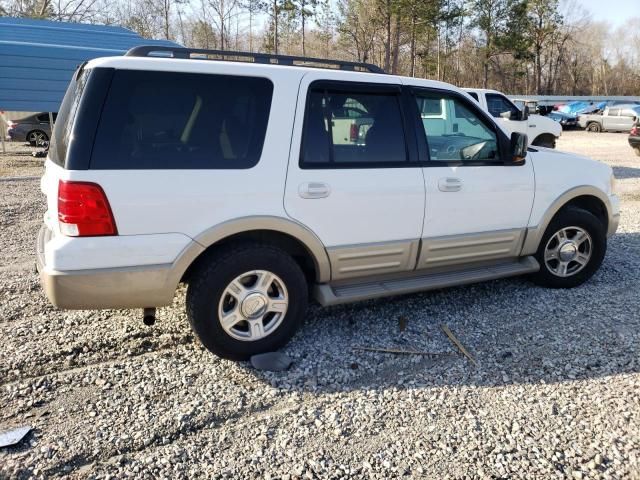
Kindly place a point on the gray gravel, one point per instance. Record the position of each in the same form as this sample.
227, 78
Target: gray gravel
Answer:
556, 393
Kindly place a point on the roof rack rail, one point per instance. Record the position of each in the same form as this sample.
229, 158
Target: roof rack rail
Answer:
264, 58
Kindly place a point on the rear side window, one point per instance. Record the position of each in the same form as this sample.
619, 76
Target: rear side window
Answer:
170, 120
66, 117
359, 128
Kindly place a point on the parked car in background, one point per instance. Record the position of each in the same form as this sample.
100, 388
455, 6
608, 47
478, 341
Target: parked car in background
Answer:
577, 107
34, 129
619, 118
236, 183
566, 120
542, 131
634, 138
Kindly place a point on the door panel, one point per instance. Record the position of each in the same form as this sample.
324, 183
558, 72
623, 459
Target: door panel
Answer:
378, 258
477, 208
351, 186
470, 247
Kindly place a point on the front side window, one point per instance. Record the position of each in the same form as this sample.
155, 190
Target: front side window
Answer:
459, 134
501, 107
614, 112
354, 129
172, 120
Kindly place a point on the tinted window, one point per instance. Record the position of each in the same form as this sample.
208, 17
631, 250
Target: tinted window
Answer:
614, 112
170, 120
65, 118
460, 134
474, 95
352, 129
498, 104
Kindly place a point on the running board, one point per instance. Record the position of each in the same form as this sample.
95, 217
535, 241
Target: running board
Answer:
327, 294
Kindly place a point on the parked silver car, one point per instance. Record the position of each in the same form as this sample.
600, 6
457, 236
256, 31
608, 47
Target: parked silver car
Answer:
618, 118
34, 129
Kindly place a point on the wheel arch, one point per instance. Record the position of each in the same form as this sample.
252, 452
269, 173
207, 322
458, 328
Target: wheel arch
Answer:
544, 136
296, 239
586, 197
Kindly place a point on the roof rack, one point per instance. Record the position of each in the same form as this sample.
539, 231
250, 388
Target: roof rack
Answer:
264, 58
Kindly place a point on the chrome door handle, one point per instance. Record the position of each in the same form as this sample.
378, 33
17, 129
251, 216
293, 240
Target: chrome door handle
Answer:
450, 184
314, 190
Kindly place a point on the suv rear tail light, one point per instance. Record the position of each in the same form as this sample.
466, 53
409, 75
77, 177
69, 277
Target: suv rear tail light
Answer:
84, 210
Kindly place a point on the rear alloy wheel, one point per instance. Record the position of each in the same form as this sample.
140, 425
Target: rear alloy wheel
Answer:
246, 299
37, 138
594, 127
571, 250
253, 305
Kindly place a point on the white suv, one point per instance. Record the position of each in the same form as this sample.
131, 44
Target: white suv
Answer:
232, 178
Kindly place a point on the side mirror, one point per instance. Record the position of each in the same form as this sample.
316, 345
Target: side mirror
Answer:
508, 115
518, 148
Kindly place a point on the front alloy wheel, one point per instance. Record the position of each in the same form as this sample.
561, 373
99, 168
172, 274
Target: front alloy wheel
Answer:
568, 251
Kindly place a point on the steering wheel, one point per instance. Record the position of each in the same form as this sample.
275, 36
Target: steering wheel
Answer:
472, 152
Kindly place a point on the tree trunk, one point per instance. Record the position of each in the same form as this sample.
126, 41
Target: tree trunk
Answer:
387, 42
396, 46
275, 24
304, 17
413, 46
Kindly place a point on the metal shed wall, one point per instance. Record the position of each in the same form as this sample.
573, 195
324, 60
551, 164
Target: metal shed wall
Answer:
38, 58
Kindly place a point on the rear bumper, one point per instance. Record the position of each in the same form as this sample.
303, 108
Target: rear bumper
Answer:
122, 287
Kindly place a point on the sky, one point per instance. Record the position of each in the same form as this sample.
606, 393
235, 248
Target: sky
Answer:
613, 11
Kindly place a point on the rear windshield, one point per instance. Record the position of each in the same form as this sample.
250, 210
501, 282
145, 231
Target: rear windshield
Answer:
170, 120
65, 118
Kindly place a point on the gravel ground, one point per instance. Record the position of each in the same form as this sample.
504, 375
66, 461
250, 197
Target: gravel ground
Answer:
556, 393
19, 162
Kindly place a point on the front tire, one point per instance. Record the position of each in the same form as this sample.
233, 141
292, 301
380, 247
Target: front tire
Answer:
594, 127
572, 249
546, 141
246, 299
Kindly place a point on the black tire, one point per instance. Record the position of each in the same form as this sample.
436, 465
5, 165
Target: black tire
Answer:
572, 217
594, 127
637, 150
546, 141
214, 275
37, 133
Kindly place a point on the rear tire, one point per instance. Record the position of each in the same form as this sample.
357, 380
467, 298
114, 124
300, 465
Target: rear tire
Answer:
594, 127
571, 250
246, 299
637, 150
